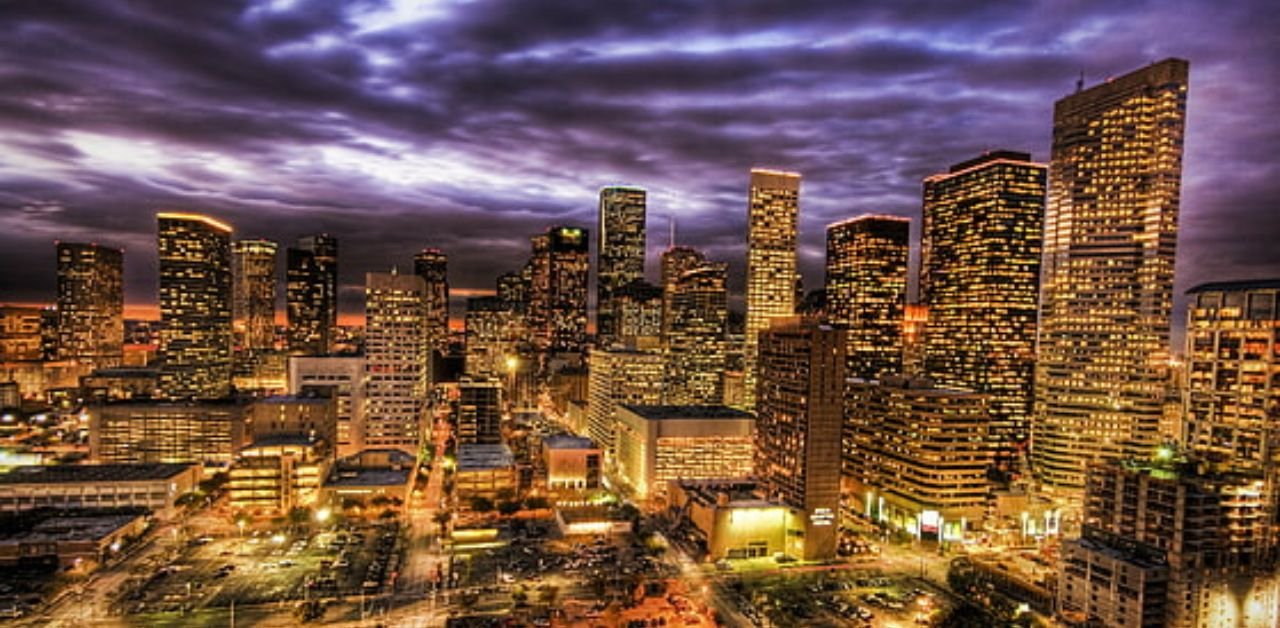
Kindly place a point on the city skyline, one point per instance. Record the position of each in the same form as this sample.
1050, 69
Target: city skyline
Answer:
274, 167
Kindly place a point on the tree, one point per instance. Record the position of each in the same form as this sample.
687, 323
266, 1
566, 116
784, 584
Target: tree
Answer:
548, 593
481, 504
442, 517
349, 503
506, 494
508, 508
299, 515
537, 503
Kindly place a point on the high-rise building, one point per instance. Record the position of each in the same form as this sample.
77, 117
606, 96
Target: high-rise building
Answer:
253, 270
620, 252
1107, 296
696, 344
1167, 543
980, 280
618, 377
195, 306
676, 260
479, 411
20, 333
799, 424
915, 318
312, 294
493, 332
659, 444
514, 289
433, 266
395, 360
1233, 374
557, 315
90, 303
636, 315
916, 456
772, 213
867, 290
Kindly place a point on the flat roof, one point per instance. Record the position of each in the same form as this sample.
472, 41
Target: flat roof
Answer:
77, 474
1235, 286
568, 441
479, 457
56, 526
368, 477
659, 413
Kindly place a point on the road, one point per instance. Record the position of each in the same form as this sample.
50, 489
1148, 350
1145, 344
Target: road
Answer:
424, 559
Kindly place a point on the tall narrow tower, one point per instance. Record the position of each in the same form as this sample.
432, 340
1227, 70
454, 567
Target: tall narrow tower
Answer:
313, 294
1110, 230
867, 290
253, 272
772, 212
620, 253
195, 306
432, 265
90, 303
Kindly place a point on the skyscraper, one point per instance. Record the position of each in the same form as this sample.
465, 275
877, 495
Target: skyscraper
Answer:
980, 280
433, 265
253, 271
195, 306
799, 423
618, 377
636, 314
90, 303
772, 213
395, 360
312, 294
1233, 374
867, 290
558, 290
1110, 231
676, 260
696, 342
620, 252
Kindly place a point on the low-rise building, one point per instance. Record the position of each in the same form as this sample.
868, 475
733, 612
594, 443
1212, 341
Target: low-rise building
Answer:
312, 415
207, 432
154, 486
278, 473
369, 475
731, 520
573, 465
484, 471
344, 378
658, 444
80, 540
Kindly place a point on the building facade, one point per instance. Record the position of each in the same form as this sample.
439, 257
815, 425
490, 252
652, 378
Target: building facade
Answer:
867, 290
253, 271
195, 306
479, 411
433, 266
620, 377
559, 269
312, 294
206, 432
773, 210
675, 261
799, 418
396, 355
697, 351
343, 378
660, 444
620, 253
1107, 296
980, 280
90, 303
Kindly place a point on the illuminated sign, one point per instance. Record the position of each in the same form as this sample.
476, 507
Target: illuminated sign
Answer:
822, 517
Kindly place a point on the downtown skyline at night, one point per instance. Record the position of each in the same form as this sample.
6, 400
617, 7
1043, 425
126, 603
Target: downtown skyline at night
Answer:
468, 126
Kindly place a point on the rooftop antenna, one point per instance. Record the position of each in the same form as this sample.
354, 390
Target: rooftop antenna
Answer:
1080, 82
671, 223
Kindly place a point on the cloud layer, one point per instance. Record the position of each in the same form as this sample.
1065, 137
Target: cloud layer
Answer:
470, 124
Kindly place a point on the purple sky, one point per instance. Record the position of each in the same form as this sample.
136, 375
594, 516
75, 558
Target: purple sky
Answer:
470, 125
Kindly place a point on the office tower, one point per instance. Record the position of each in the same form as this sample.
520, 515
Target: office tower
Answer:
867, 290
696, 345
799, 418
1168, 543
20, 339
980, 280
636, 315
312, 294
492, 333
558, 290
1233, 374
772, 213
1107, 295
514, 289
915, 318
620, 253
675, 261
90, 303
195, 306
479, 411
136, 432
341, 378
916, 455
432, 265
618, 377
395, 360
253, 270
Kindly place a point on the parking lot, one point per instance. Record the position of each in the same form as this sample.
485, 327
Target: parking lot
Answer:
836, 598
267, 566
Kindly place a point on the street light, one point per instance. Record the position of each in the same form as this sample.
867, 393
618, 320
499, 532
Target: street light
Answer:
323, 515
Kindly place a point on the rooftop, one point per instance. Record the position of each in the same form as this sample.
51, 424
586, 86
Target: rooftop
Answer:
567, 441
52, 526
1236, 286
368, 477
477, 457
659, 413
76, 474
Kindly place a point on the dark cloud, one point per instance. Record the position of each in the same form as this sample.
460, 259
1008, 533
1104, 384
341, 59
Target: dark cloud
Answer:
470, 125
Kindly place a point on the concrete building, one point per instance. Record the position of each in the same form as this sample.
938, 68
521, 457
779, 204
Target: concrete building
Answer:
659, 444
278, 473
154, 486
917, 456
866, 274
734, 522
195, 306
90, 303
20, 334
81, 542
636, 314
494, 332
368, 475
484, 471
1115, 175
396, 356
206, 432
344, 379
980, 280
479, 411
799, 417
573, 464
312, 417
773, 209
619, 377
